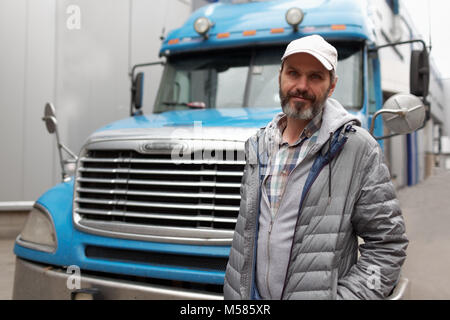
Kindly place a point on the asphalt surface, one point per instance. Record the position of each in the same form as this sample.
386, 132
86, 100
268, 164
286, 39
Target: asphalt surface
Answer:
7, 259
426, 209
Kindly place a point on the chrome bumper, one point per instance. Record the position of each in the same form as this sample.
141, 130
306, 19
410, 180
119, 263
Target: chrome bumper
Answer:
37, 282
401, 291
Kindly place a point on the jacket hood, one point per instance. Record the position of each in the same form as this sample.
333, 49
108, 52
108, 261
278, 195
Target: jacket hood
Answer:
334, 116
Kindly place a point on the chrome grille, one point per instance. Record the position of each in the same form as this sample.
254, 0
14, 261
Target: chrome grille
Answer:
133, 195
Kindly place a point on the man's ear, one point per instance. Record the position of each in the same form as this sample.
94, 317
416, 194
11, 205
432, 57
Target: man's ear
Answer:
333, 86
280, 72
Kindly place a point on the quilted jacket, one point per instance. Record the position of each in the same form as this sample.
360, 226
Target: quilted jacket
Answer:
348, 194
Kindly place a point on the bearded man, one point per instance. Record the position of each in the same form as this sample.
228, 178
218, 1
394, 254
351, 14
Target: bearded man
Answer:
314, 182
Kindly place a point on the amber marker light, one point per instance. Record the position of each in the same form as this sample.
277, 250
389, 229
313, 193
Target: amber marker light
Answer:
174, 41
338, 27
277, 30
249, 33
223, 35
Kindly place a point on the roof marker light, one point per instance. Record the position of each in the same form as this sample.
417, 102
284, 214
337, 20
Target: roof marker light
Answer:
277, 30
338, 27
223, 35
202, 26
294, 16
249, 33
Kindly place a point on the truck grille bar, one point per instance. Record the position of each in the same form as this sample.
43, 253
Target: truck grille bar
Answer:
149, 196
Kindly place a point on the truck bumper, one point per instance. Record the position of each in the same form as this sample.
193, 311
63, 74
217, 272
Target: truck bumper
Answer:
33, 281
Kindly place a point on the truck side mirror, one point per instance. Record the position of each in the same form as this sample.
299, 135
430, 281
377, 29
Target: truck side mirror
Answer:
52, 127
138, 90
407, 113
419, 73
137, 87
402, 114
50, 118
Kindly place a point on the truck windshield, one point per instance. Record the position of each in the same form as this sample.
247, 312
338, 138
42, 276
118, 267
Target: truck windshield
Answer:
246, 78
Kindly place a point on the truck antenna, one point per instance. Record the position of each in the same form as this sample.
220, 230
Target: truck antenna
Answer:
429, 26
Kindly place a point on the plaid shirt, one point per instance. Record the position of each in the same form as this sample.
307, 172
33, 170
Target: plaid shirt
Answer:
286, 158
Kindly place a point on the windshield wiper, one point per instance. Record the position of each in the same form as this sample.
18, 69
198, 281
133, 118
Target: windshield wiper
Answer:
191, 105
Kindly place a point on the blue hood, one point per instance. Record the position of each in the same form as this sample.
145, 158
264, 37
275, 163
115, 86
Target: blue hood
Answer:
237, 117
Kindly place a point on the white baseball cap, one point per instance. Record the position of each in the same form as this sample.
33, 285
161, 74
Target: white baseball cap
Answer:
316, 46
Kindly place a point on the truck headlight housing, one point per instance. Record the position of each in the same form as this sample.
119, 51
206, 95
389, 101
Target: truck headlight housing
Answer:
294, 16
70, 168
202, 26
39, 231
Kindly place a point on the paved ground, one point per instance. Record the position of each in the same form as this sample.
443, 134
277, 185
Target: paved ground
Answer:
426, 208
6, 268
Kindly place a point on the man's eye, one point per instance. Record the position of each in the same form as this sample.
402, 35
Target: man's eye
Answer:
316, 77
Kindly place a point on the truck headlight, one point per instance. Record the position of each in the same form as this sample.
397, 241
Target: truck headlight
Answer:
38, 232
202, 26
294, 16
70, 168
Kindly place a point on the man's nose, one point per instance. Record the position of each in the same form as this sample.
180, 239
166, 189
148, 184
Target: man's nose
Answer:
302, 83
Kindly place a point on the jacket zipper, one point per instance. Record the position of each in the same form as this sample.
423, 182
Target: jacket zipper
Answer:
272, 221
292, 244
268, 260
301, 209
252, 276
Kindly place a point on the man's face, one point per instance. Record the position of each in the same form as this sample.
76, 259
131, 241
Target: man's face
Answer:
304, 86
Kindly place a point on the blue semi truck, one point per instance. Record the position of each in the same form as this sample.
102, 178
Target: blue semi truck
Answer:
151, 209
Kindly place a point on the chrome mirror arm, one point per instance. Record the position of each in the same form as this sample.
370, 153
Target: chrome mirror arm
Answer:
390, 111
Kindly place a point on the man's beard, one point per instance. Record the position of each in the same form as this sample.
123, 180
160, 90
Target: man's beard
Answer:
300, 110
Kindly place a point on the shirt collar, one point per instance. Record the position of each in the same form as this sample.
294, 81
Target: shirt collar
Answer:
312, 127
